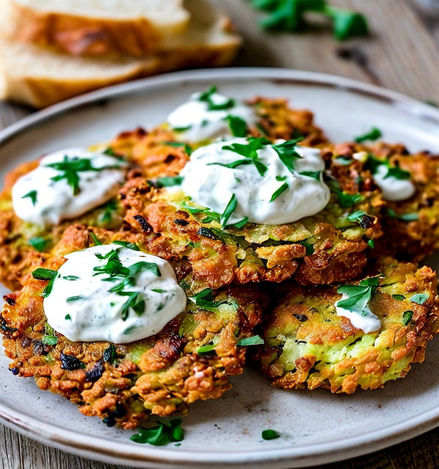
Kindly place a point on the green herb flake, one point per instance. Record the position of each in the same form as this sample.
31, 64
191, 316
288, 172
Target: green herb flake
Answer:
287, 153
71, 278
247, 342
347, 24
32, 195
228, 211
270, 434
74, 298
238, 126
39, 244
250, 151
45, 274
407, 317
67, 317
161, 434
95, 239
398, 297
420, 298
407, 217
239, 224
206, 349
206, 300
127, 245
371, 243
278, 192
207, 97
312, 174
186, 147
343, 160
358, 296
49, 337
372, 135
166, 181
109, 355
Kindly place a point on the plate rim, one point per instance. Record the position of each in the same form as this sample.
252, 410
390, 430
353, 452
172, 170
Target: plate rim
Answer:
125, 453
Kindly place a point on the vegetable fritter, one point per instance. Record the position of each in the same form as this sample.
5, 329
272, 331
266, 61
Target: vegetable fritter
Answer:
411, 226
307, 345
326, 248
189, 360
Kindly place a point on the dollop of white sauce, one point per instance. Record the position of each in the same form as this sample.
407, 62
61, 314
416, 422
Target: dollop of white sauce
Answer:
96, 313
393, 189
55, 201
203, 124
365, 321
213, 186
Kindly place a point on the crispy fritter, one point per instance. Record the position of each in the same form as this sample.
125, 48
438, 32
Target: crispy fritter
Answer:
321, 249
19, 239
307, 345
411, 226
123, 384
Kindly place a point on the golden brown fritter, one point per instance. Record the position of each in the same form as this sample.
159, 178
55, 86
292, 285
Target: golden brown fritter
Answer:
328, 247
411, 227
123, 384
307, 345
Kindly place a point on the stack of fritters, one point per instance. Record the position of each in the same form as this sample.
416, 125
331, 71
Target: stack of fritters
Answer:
276, 281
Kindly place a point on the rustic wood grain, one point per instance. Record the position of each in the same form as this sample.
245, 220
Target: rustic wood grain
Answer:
402, 55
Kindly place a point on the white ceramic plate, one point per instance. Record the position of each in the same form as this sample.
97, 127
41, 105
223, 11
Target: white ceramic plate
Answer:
316, 427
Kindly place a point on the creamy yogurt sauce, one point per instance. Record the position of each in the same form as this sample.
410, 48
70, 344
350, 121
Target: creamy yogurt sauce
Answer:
82, 307
206, 118
279, 196
45, 197
393, 189
366, 321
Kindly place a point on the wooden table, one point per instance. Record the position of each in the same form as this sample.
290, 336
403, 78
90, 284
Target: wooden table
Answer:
402, 54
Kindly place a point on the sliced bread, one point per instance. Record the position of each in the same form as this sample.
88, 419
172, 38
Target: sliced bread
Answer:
95, 27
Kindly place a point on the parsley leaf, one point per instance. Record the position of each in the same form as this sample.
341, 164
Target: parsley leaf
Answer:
237, 126
108, 210
109, 354
347, 23
32, 195
228, 211
166, 181
345, 199
407, 317
311, 174
270, 434
250, 150
207, 97
287, 152
207, 348
161, 434
45, 274
277, 193
39, 244
186, 147
127, 245
49, 337
205, 300
372, 135
254, 340
238, 225
358, 296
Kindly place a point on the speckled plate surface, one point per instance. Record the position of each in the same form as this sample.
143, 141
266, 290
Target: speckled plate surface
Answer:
316, 427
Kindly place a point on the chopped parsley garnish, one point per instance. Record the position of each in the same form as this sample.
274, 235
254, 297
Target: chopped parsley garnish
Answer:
182, 129
358, 296
404, 216
68, 317
95, 239
38, 243
108, 211
407, 317
161, 434
372, 135
110, 152
290, 15
49, 337
206, 348
360, 217
74, 298
270, 434
239, 224
278, 192
166, 181
205, 300
158, 290
311, 174
250, 150
127, 245
287, 152
228, 211
238, 126
127, 277
186, 147
420, 298
70, 169
398, 297
32, 195
247, 342
109, 354
345, 199
374, 164
45, 274
371, 243
71, 277
207, 97
397, 173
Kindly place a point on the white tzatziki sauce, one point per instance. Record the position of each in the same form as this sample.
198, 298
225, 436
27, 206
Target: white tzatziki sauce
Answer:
80, 181
366, 321
393, 189
82, 307
202, 119
279, 196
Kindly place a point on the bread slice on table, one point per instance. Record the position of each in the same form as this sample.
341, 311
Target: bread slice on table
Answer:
95, 27
39, 77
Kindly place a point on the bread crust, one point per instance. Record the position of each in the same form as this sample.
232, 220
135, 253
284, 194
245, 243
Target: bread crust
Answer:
83, 36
